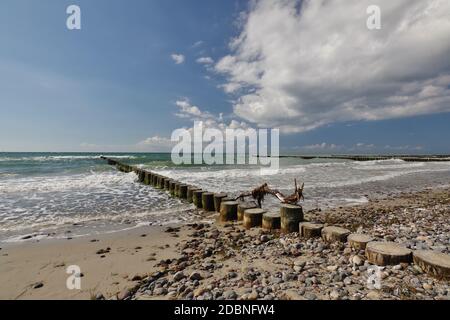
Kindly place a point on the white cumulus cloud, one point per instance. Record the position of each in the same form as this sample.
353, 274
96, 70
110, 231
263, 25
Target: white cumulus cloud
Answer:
178, 58
205, 60
299, 65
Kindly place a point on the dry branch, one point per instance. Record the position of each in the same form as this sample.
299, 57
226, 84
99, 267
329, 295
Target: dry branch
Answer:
259, 194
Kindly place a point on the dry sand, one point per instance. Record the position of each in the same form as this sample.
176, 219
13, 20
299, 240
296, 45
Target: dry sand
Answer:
132, 253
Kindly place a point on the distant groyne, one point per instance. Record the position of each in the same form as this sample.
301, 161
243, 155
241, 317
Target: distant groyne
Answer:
407, 158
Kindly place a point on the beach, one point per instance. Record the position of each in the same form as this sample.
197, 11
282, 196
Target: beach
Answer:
204, 259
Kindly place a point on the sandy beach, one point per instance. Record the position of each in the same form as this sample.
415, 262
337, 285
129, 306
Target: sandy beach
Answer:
131, 255
224, 261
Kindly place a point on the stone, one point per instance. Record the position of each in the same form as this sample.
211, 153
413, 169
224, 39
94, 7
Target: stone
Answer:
373, 295
310, 230
335, 234
357, 260
335, 295
195, 276
38, 285
359, 241
253, 295
178, 276
230, 295
124, 294
434, 263
387, 253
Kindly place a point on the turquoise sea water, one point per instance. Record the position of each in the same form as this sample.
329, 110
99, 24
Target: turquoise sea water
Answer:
70, 194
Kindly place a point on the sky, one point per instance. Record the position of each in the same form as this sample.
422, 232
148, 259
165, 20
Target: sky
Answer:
137, 70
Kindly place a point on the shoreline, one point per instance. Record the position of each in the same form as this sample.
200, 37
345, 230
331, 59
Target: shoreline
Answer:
263, 260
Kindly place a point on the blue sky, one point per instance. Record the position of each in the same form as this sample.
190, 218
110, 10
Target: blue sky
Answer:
115, 86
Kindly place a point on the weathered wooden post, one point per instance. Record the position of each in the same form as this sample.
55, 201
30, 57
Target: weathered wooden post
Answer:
177, 187
158, 182
182, 191
197, 198
271, 221
155, 180
434, 263
161, 182
208, 201
253, 218
172, 187
291, 215
218, 197
310, 230
335, 234
387, 253
141, 175
147, 178
190, 193
167, 184
359, 241
242, 206
228, 211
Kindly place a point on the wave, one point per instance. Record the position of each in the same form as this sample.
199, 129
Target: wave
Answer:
59, 158
65, 183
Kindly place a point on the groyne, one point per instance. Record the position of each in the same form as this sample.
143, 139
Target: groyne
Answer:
290, 219
407, 158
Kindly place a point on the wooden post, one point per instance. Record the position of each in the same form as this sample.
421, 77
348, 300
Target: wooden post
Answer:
218, 197
172, 187
244, 206
182, 191
335, 234
141, 176
190, 193
310, 230
291, 215
387, 253
158, 182
228, 211
167, 184
434, 263
197, 198
147, 178
176, 189
359, 241
253, 218
271, 221
155, 180
208, 201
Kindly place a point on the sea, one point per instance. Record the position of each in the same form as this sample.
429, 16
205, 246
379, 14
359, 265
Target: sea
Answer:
67, 195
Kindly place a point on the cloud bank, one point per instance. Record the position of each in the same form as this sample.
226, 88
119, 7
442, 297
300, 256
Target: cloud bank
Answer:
299, 65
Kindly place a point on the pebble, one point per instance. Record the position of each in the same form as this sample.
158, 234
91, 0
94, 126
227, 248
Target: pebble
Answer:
230, 295
178, 276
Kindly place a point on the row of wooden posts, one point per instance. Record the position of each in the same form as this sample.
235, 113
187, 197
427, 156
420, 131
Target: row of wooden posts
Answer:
290, 219
287, 219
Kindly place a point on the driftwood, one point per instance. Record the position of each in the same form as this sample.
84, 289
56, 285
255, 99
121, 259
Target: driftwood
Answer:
259, 194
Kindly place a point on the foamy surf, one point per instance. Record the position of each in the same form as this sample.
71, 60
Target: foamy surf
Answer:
47, 195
